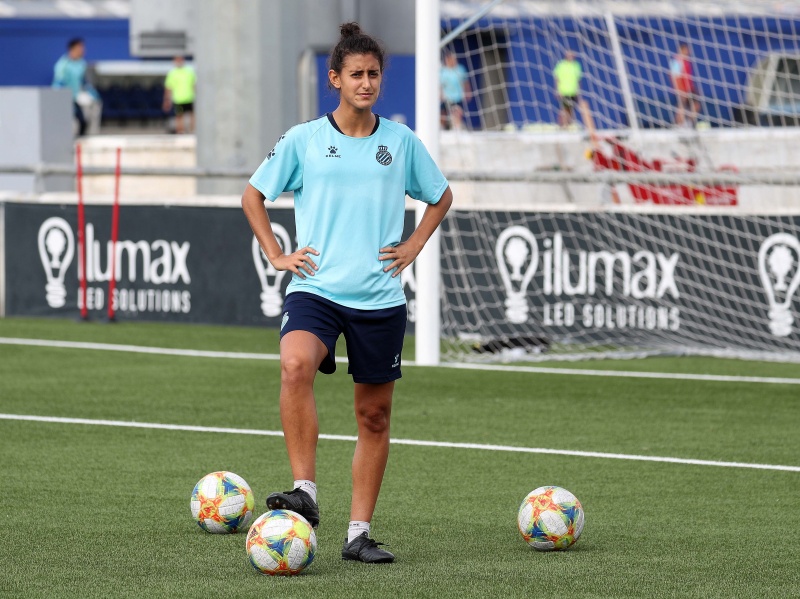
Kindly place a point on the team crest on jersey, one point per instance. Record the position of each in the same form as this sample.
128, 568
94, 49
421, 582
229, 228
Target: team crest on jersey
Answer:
333, 152
383, 157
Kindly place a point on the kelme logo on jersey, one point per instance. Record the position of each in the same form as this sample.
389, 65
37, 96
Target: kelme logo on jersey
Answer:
272, 151
383, 157
332, 152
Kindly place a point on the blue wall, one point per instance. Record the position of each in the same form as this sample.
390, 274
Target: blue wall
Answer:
31, 47
723, 59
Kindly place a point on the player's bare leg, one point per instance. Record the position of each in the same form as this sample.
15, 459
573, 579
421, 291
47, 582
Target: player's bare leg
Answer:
373, 406
301, 354
457, 117
679, 118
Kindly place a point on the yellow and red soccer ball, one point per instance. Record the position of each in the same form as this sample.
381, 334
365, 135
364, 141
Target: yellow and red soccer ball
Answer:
222, 502
550, 519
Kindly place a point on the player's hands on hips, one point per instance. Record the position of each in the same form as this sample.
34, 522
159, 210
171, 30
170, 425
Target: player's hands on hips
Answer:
401, 255
298, 262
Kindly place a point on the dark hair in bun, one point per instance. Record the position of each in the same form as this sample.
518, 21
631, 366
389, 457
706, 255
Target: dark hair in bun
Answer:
354, 41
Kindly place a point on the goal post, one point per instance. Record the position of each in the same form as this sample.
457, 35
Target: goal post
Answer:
427, 265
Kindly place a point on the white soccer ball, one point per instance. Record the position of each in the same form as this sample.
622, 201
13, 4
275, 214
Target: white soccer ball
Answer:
550, 518
222, 502
281, 543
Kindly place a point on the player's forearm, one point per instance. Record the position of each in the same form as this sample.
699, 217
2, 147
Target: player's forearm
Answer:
256, 213
431, 219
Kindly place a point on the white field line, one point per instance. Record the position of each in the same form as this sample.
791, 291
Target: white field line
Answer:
444, 444
724, 378
196, 353
137, 349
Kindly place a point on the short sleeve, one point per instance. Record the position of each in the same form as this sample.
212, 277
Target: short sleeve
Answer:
282, 169
58, 74
424, 180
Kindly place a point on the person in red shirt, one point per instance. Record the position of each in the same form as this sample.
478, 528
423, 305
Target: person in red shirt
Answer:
685, 90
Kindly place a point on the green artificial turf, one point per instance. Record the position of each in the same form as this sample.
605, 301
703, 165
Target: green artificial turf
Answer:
99, 511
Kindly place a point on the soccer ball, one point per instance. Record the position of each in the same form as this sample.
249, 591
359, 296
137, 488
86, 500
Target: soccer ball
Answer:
222, 502
281, 543
550, 518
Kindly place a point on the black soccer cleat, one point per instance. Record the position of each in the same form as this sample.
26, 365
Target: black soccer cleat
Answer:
297, 501
364, 549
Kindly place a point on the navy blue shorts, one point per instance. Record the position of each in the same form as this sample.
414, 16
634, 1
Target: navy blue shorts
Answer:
374, 338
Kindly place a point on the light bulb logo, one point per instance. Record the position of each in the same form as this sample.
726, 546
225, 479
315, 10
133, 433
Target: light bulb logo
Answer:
516, 247
776, 261
270, 278
56, 249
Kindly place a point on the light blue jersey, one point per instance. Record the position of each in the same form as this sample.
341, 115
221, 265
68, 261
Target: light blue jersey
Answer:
71, 73
452, 80
349, 201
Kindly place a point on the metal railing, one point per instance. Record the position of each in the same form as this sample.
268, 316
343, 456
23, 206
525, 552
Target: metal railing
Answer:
787, 177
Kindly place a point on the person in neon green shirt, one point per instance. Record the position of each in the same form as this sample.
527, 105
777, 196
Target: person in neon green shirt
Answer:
568, 74
179, 91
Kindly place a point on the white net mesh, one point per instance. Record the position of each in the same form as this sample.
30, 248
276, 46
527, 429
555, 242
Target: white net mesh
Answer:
740, 66
568, 285
532, 269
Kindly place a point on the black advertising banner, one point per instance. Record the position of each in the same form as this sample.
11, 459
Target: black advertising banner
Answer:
668, 280
181, 264
624, 280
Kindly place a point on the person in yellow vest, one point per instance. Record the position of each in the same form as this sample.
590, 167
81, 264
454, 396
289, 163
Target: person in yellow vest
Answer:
179, 92
568, 76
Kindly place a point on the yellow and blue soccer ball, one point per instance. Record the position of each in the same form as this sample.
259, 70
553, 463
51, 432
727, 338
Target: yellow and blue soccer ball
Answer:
222, 502
550, 519
281, 543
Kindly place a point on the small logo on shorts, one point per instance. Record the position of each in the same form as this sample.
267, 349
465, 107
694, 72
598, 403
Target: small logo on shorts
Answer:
383, 157
285, 319
396, 361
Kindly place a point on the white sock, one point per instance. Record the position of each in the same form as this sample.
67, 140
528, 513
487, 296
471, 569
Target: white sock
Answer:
356, 529
309, 486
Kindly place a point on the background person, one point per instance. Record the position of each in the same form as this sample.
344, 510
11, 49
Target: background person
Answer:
455, 92
685, 91
350, 171
70, 72
179, 92
568, 75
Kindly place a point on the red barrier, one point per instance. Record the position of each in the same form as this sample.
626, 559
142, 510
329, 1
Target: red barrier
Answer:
114, 236
81, 233
623, 158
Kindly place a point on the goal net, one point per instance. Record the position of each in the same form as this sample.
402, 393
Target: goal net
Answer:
626, 179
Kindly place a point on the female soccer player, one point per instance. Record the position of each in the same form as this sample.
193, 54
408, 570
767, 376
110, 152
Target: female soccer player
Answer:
350, 171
